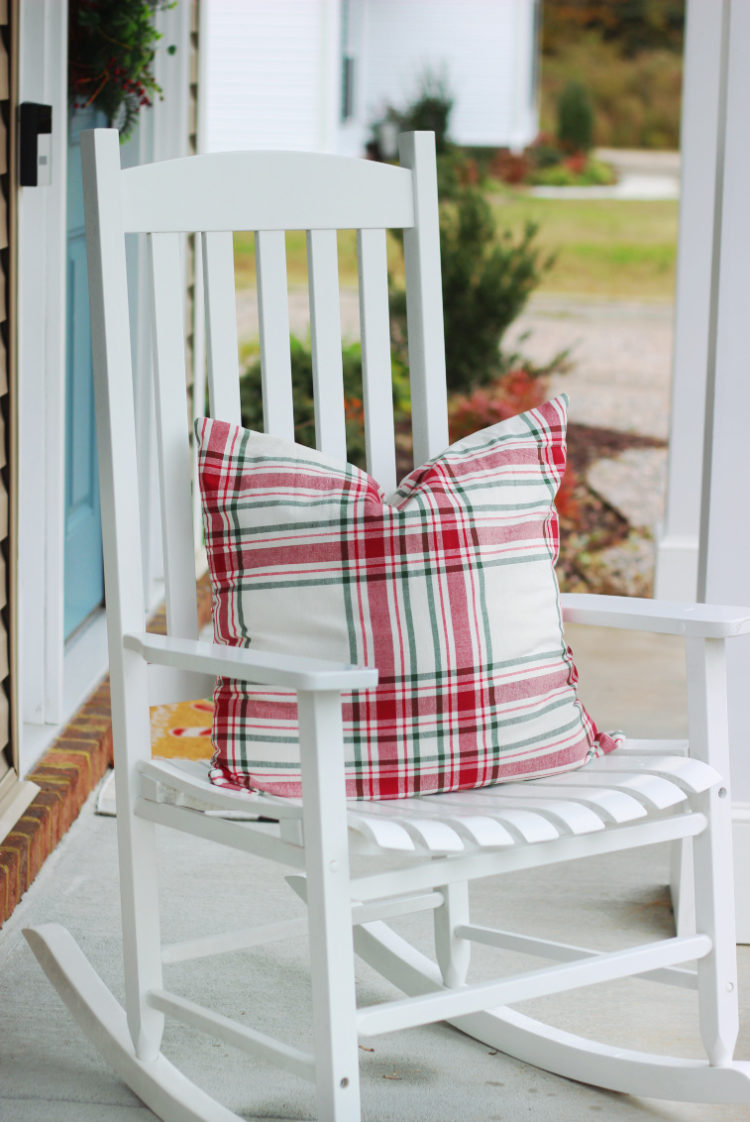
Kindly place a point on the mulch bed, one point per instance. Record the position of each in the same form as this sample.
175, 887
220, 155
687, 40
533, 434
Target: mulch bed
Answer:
593, 524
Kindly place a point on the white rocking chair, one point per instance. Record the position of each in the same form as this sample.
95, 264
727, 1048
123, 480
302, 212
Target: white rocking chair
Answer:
636, 796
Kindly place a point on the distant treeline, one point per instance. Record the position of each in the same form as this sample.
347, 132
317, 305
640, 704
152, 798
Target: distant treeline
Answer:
633, 25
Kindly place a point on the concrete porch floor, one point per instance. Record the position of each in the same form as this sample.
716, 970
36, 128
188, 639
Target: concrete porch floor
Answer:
433, 1074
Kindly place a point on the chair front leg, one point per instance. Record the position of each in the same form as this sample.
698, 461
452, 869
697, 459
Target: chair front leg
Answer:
712, 850
136, 845
329, 907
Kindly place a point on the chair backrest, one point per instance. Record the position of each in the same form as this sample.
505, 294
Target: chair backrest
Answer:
267, 193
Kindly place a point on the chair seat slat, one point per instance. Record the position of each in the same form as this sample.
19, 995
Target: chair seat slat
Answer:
462, 815
692, 775
433, 834
488, 817
522, 824
652, 790
615, 805
574, 817
384, 833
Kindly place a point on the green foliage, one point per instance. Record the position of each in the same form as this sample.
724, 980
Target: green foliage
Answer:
632, 25
575, 118
636, 99
111, 52
593, 173
304, 409
487, 278
429, 111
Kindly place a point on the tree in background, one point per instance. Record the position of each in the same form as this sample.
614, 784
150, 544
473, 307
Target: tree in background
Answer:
628, 55
575, 118
634, 25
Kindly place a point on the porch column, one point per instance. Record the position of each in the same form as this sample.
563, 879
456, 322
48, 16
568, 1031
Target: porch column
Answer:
702, 149
724, 551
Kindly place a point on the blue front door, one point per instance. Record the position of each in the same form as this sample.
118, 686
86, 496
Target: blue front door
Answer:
84, 579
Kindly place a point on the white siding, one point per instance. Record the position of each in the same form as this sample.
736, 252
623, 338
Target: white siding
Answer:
263, 74
484, 47
273, 69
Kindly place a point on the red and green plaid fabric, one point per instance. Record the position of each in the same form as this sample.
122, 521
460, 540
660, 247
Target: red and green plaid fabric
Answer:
448, 588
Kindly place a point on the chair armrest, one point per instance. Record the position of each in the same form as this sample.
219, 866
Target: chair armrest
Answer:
260, 667
707, 621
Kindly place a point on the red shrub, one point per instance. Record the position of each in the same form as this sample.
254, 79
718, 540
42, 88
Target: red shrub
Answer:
512, 393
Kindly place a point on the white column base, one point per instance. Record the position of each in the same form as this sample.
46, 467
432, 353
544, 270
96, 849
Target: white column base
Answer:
741, 842
676, 576
681, 877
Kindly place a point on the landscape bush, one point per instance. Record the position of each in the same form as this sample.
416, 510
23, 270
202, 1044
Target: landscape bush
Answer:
573, 171
487, 277
636, 98
302, 389
575, 118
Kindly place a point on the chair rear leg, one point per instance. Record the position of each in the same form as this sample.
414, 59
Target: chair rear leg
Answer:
712, 852
714, 908
453, 953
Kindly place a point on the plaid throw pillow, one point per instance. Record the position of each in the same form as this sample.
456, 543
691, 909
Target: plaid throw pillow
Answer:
448, 588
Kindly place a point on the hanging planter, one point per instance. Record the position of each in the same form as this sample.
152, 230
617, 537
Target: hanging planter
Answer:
112, 44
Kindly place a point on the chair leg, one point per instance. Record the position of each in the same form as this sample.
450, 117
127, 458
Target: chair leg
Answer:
329, 908
136, 845
712, 851
453, 953
714, 908
682, 885
141, 933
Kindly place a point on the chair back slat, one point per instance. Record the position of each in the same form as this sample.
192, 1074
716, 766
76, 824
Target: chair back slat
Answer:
172, 434
222, 360
325, 335
273, 321
424, 301
376, 357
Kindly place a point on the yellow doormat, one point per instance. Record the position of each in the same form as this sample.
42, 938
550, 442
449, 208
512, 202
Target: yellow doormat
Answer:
182, 730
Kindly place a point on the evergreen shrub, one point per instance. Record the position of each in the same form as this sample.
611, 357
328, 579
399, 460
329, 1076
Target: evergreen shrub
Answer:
575, 118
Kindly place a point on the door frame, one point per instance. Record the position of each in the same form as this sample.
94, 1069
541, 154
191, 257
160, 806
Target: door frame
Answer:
53, 678
40, 403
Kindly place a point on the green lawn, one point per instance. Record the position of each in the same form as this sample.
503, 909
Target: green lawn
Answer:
606, 248
244, 258
611, 249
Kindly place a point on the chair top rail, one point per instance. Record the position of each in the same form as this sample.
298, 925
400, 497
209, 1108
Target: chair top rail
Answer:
265, 191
